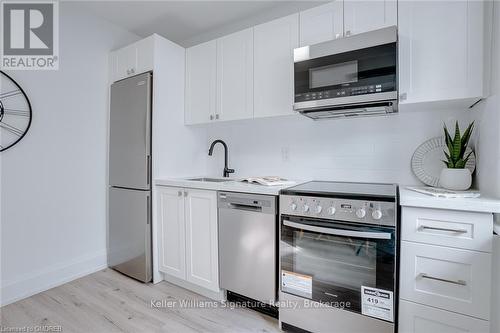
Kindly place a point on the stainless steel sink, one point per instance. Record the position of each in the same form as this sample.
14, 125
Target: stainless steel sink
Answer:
214, 180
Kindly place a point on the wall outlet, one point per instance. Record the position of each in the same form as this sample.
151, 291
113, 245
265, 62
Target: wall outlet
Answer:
285, 154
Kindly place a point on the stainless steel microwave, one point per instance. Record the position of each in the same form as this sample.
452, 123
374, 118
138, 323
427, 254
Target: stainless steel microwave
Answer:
352, 76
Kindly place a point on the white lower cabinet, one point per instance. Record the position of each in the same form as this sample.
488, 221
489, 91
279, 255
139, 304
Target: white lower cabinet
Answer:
202, 255
187, 235
448, 278
417, 318
445, 273
171, 232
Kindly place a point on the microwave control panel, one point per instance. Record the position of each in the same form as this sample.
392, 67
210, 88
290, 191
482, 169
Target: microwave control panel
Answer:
350, 210
344, 91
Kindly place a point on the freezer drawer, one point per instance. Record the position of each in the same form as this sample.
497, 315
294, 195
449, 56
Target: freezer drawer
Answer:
129, 234
130, 134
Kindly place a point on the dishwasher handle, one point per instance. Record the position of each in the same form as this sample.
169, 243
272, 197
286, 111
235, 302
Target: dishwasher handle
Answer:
244, 207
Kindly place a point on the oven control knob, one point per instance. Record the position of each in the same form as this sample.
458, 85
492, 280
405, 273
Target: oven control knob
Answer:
293, 206
306, 208
361, 213
377, 214
331, 211
318, 209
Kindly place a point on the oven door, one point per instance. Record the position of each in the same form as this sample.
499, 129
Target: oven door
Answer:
329, 261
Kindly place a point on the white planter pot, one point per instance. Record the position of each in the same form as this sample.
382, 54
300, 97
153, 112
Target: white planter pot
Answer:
455, 179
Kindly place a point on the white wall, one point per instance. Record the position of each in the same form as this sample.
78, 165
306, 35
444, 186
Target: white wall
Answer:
53, 197
377, 149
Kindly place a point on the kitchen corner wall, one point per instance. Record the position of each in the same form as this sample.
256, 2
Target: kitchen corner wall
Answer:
372, 149
53, 183
487, 117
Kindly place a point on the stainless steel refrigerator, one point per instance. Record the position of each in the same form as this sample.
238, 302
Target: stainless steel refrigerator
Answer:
129, 220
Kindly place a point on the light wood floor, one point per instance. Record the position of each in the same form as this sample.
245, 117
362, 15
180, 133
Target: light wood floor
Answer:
107, 301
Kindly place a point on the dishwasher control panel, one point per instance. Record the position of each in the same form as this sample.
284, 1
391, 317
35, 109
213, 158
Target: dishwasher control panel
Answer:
247, 201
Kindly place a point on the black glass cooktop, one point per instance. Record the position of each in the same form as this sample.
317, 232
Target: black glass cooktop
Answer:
343, 189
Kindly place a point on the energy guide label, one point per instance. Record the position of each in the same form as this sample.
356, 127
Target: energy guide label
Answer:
296, 283
377, 303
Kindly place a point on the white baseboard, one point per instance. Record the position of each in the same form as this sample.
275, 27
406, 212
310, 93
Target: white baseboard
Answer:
51, 277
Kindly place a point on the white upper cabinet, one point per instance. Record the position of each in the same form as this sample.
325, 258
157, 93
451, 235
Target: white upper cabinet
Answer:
273, 60
235, 76
363, 16
201, 83
322, 23
441, 50
133, 59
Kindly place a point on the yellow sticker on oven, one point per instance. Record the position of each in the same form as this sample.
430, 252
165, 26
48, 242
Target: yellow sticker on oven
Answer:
296, 283
377, 303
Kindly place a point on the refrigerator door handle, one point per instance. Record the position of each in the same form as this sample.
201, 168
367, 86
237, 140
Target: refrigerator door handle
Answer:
148, 121
148, 209
148, 168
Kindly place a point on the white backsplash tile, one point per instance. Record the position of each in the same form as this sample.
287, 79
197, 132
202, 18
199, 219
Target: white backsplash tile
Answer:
375, 149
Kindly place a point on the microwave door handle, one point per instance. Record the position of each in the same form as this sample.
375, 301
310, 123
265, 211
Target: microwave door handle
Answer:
339, 232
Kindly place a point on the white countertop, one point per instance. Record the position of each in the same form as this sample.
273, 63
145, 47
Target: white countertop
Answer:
482, 204
230, 185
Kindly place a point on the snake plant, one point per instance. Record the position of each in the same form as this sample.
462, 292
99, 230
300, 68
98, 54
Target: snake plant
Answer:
455, 156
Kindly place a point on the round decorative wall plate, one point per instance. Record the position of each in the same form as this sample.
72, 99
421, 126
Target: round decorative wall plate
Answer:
15, 112
427, 161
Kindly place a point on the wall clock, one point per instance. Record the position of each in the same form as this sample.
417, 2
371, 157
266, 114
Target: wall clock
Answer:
15, 112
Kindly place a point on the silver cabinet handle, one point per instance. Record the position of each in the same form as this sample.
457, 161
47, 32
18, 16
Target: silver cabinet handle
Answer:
403, 96
179, 193
338, 232
425, 227
430, 277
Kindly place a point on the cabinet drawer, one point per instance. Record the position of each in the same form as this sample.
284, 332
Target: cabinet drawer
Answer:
465, 230
451, 279
417, 318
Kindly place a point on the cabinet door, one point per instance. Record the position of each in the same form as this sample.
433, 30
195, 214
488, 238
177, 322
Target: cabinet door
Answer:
363, 16
416, 318
322, 23
125, 62
235, 76
202, 258
145, 55
171, 232
440, 50
200, 83
273, 60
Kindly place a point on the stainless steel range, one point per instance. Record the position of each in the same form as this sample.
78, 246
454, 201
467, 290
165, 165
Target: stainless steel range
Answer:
338, 251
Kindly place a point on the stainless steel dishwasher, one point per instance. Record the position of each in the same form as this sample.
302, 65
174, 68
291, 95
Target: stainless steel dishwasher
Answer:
248, 245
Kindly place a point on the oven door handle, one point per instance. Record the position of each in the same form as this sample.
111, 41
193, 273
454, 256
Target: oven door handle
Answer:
339, 232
